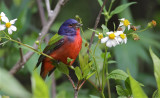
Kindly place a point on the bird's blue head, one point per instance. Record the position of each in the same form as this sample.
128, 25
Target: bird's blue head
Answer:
69, 27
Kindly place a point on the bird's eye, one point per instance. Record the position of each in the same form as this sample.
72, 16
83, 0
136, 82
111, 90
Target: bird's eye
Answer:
70, 25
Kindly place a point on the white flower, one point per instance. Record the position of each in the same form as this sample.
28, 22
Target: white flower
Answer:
99, 35
8, 24
122, 38
2, 15
111, 39
124, 23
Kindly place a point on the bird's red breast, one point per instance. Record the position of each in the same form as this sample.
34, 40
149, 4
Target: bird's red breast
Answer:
69, 49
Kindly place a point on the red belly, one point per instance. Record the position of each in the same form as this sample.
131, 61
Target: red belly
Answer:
68, 49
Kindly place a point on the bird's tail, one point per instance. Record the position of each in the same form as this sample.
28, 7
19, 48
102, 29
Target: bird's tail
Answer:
46, 69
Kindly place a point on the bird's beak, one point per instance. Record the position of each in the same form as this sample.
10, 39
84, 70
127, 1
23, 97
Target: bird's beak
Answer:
78, 25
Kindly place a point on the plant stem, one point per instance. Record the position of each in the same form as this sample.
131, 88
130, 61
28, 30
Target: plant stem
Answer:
75, 93
97, 73
103, 71
8, 37
108, 84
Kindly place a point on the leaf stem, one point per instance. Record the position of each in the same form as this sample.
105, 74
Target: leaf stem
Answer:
103, 72
9, 38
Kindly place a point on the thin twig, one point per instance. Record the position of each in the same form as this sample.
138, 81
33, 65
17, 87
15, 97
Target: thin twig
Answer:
81, 84
20, 51
43, 32
41, 12
70, 79
48, 7
96, 24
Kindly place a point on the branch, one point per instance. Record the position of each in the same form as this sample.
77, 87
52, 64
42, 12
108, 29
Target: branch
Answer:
43, 32
70, 79
53, 86
96, 24
41, 12
21, 52
48, 6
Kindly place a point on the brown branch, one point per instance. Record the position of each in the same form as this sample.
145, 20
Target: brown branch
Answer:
96, 24
70, 79
20, 51
81, 84
41, 12
43, 32
53, 86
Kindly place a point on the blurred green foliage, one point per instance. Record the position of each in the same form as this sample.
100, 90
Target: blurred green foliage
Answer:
134, 55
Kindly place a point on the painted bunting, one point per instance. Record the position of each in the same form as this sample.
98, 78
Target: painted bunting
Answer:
65, 44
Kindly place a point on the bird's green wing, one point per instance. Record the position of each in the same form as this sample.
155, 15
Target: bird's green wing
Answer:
54, 43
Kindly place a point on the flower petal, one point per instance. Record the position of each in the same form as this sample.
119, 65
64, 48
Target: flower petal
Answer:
13, 21
119, 39
2, 14
2, 27
109, 44
13, 28
123, 28
125, 40
129, 27
9, 31
96, 34
5, 19
118, 33
103, 40
121, 24
122, 19
109, 32
114, 43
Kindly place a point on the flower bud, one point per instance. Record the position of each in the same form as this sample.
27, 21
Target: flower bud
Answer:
37, 42
135, 37
152, 24
86, 44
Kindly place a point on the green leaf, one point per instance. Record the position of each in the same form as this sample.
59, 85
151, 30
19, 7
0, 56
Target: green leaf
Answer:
69, 60
10, 86
121, 91
90, 75
78, 73
156, 94
105, 29
127, 85
63, 68
118, 74
121, 8
93, 96
111, 62
39, 88
156, 62
137, 91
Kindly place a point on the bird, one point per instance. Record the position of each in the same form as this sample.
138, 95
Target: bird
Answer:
67, 43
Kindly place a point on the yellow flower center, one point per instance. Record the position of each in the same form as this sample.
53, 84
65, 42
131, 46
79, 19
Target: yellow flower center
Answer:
8, 24
111, 36
100, 36
126, 22
0, 17
123, 36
